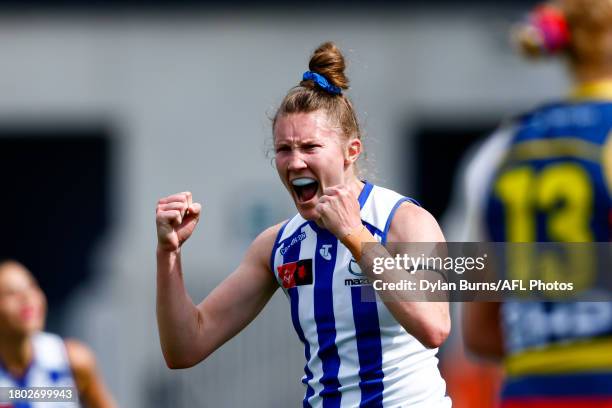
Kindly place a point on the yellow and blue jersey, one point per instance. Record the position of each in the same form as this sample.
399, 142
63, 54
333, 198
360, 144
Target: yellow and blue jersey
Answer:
554, 184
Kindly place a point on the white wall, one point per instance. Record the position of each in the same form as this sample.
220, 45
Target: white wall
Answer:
189, 97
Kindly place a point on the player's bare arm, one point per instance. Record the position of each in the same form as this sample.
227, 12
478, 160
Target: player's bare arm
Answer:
482, 332
429, 322
90, 386
189, 333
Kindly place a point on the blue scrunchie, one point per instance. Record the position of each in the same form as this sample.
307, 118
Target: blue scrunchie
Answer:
321, 82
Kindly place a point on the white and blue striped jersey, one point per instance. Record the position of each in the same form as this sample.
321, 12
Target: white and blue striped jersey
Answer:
50, 367
357, 354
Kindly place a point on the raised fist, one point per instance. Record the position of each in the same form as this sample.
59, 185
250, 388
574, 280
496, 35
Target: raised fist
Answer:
176, 217
339, 211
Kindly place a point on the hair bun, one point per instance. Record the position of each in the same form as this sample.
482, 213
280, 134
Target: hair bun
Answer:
328, 61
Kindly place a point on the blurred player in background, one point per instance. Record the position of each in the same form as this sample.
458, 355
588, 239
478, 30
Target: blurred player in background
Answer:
547, 176
32, 358
357, 353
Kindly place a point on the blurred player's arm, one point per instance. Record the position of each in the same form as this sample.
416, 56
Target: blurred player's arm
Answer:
189, 333
90, 386
482, 333
481, 321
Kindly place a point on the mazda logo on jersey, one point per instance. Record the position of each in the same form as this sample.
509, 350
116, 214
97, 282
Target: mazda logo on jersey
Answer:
294, 274
354, 268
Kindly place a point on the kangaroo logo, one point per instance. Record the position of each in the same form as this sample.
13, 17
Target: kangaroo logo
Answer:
324, 251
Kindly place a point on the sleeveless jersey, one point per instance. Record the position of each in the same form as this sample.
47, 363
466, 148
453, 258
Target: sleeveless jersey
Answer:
554, 184
49, 368
357, 354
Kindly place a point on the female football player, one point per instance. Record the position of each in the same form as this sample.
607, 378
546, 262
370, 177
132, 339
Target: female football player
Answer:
548, 177
30, 357
358, 353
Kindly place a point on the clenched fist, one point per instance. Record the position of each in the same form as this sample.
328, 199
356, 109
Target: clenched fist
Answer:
176, 217
339, 211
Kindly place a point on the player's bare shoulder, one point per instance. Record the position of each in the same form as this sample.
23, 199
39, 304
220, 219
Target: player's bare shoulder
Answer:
81, 357
262, 245
412, 223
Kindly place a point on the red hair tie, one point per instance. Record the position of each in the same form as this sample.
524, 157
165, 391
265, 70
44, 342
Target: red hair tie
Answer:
552, 25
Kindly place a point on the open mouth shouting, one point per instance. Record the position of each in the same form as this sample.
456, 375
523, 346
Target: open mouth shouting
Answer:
305, 188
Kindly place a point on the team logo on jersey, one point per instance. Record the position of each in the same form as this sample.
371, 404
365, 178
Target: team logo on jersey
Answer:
294, 274
324, 252
356, 270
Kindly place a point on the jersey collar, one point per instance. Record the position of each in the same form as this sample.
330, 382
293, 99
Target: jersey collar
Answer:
365, 193
601, 90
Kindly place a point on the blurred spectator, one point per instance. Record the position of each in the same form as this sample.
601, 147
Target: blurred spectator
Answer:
32, 358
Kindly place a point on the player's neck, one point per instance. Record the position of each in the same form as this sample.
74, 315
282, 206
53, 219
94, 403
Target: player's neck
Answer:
355, 185
16, 354
590, 73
